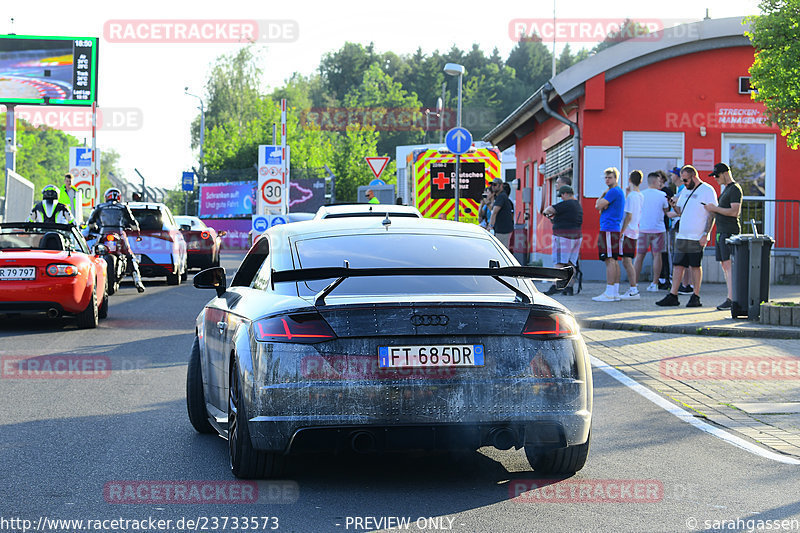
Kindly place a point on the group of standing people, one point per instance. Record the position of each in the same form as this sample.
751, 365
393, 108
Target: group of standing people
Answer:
640, 221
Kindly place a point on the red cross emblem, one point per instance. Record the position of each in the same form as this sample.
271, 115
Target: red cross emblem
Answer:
440, 181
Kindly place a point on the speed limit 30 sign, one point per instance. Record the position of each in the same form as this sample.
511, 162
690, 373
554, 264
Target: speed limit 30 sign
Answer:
271, 191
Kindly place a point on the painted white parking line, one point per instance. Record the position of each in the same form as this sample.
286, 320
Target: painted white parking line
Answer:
689, 418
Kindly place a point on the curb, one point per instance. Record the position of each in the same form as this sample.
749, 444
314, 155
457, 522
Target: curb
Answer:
714, 331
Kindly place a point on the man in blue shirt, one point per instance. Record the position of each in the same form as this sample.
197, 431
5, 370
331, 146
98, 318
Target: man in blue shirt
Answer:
611, 207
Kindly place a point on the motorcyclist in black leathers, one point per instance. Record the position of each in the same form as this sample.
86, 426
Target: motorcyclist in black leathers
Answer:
115, 216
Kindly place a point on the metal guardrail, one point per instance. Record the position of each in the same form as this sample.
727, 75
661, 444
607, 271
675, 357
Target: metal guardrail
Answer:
778, 218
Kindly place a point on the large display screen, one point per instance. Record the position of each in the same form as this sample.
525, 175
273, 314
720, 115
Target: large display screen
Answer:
48, 70
227, 200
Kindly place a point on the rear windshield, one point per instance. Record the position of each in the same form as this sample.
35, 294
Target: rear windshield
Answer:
148, 219
402, 250
371, 214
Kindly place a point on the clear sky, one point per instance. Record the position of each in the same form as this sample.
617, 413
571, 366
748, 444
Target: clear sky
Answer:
148, 79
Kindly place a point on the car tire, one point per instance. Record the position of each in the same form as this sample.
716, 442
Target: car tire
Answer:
246, 462
559, 461
195, 397
111, 274
103, 311
173, 279
185, 273
87, 318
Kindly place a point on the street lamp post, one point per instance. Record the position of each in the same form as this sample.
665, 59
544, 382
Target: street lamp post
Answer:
454, 69
202, 109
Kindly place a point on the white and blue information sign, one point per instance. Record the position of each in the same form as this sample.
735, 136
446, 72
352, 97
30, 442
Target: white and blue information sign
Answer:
260, 223
188, 181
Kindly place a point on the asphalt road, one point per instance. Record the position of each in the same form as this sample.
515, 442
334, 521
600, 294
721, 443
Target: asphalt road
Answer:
66, 446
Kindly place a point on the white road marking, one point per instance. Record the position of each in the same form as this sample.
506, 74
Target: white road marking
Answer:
689, 418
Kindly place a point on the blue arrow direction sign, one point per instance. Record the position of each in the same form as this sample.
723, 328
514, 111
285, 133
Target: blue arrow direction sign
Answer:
188, 181
458, 140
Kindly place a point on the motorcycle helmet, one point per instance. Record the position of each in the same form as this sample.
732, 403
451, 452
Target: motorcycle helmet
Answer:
113, 195
50, 192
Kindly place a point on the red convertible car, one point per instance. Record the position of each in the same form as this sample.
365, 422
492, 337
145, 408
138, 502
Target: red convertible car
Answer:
48, 268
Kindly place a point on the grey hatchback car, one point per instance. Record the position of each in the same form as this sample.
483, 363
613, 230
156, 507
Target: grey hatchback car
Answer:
387, 334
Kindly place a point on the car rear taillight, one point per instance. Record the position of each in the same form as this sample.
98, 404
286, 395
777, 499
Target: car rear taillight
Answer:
205, 235
306, 328
549, 326
56, 270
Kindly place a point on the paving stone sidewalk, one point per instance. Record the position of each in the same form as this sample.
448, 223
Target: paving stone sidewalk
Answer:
748, 385
645, 315
738, 374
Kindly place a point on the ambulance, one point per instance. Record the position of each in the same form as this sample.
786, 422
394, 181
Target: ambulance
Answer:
431, 180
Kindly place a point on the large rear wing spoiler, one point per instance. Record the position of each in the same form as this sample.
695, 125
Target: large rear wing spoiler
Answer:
563, 275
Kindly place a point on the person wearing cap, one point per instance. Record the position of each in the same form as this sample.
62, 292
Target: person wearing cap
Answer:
502, 220
567, 219
726, 214
693, 235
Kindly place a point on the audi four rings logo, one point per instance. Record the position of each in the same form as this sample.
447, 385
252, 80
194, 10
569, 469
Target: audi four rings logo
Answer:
430, 320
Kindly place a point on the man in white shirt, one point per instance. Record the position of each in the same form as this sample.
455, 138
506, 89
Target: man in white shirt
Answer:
630, 232
693, 234
652, 232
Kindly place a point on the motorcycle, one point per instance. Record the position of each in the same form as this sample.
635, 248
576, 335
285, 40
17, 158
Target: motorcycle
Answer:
118, 265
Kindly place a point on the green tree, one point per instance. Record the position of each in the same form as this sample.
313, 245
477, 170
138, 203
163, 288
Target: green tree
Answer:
628, 29
344, 69
232, 93
776, 69
391, 109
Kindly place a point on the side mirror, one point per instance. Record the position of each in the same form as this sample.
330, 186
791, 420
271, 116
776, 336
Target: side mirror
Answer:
100, 249
138, 238
186, 227
211, 278
222, 233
